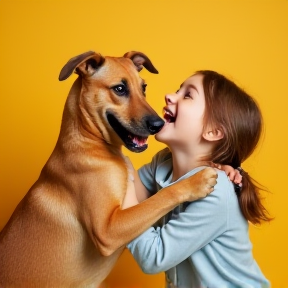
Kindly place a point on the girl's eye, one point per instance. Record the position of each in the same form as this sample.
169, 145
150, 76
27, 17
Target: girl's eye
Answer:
187, 95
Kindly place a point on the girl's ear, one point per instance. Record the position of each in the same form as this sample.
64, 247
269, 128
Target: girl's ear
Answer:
213, 134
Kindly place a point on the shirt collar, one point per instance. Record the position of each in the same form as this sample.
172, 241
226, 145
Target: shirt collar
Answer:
164, 173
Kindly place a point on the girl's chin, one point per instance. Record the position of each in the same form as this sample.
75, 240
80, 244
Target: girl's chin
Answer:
160, 137
163, 134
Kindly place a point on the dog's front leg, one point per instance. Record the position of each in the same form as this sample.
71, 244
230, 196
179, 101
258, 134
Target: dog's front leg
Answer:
110, 227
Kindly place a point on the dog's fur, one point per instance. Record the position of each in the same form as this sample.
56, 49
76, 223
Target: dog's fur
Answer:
69, 229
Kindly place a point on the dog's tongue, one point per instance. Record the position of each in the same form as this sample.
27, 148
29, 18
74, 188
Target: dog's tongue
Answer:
139, 141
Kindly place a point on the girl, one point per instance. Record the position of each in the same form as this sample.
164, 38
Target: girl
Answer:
204, 243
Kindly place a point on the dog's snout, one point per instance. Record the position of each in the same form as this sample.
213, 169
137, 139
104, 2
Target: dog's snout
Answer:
154, 124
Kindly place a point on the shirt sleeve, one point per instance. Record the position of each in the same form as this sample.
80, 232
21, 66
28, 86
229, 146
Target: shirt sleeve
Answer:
160, 249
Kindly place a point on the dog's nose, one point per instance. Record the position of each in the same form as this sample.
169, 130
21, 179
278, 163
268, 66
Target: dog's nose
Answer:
154, 124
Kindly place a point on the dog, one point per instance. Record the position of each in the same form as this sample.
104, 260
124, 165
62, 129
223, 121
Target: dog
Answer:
69, 229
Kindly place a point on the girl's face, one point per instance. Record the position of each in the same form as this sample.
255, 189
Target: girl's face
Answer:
184, 113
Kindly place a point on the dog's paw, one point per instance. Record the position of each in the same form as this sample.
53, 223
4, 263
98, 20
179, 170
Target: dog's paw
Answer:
198, 186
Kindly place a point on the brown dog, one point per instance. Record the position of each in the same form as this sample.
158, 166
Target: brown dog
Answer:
69, 230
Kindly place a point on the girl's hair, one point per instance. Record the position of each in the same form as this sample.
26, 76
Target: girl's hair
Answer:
237, 115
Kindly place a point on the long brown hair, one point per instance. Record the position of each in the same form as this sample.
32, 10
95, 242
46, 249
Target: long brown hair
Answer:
237, 114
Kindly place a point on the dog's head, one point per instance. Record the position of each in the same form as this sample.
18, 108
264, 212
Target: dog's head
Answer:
112, 98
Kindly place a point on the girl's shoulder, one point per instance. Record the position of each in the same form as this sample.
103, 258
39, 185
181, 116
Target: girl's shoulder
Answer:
224, 190
223, 182
162, 156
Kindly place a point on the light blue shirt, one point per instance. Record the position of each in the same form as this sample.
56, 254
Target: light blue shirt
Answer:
206, 245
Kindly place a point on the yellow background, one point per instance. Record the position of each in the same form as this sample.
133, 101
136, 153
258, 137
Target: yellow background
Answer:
245, 40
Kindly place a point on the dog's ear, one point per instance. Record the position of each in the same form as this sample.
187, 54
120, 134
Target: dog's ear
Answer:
85, 63
139, 59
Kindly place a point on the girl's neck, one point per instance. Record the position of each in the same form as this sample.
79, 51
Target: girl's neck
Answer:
184, 162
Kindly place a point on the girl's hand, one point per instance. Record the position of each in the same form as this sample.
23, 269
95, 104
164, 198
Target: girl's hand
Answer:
233, 174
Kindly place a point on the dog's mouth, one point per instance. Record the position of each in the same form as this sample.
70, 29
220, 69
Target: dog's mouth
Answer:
168, 115
133, 142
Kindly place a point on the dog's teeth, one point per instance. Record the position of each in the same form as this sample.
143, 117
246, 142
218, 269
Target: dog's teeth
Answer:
139, 141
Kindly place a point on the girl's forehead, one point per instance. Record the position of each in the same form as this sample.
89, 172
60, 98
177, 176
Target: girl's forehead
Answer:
194, 79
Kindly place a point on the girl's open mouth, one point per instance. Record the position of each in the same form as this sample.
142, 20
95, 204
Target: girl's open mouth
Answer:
168, 115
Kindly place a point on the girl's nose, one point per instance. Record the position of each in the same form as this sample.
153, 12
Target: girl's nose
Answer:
170, 98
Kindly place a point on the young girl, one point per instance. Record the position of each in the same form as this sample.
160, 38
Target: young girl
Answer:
204, 243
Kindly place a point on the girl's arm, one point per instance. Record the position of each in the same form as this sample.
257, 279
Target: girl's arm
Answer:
136, 191
141, 191
158, 250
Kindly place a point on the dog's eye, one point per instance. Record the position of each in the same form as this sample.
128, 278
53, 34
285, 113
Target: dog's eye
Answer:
120, 90
144, 87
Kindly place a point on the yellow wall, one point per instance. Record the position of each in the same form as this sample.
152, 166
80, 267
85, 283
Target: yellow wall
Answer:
246, 40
